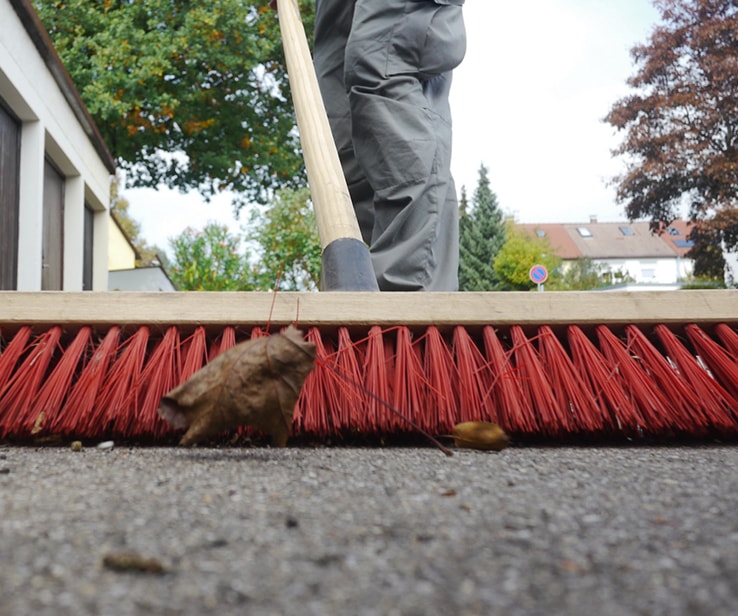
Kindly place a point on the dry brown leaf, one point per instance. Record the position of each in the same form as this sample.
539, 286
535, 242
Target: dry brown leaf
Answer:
480, 435
254, 383
38, 425
132, 562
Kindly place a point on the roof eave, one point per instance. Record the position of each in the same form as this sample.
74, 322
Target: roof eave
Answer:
42, 41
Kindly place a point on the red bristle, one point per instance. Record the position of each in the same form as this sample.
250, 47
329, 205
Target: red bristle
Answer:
688, 416
352, 406
474, 404
656, 410
424, 419
603, 380
728, 337
11, 355
722, 363
552, 420
194, 354
329, 395
226, 341
378, 365
721, 407
17, 399
258, 332
441, 376
644, 386
513, 415
380, 370
78, 417
47, 405
577, 407
119, 395
406, 382
363, 421
160, 375
313, 414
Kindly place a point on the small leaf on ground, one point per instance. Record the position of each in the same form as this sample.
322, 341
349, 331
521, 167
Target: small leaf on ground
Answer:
132, 562
480, 435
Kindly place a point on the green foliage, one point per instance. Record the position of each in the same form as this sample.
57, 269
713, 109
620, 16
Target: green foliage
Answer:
481, 235
285, 245
519, 253
584, 274
710, 237
209, 260
289, 246
190, 95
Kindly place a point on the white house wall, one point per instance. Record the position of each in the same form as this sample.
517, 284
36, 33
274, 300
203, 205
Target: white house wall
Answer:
30, 216
51, 128
650, 271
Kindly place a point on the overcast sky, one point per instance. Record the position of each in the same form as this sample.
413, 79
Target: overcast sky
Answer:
527, 102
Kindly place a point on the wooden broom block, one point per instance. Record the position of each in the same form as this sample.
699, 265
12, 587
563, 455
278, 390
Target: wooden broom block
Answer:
358, 311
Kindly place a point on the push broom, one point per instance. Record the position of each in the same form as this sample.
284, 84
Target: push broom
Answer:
548, 367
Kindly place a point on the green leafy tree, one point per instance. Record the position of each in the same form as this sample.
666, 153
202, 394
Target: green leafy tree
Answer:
210, 260
288, 243
186, 94
282, 246
518, 254
481, 236
584, 274
709, 240
581, 275
680, 124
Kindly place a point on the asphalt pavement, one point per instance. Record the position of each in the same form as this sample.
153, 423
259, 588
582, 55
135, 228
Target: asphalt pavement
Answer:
364, 531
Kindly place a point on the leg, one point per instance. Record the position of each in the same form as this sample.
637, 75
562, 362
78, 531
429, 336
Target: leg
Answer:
398, 61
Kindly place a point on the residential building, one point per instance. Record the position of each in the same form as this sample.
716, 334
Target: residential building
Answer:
628, 248
123, 273
56, 229
55, 169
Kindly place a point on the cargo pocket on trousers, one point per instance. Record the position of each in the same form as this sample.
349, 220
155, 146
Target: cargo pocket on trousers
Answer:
429, 41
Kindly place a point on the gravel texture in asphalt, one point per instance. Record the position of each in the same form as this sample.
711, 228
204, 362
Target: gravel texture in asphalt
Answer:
407, 531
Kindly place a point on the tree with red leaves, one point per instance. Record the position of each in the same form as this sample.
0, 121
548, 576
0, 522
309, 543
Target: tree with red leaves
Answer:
681, 121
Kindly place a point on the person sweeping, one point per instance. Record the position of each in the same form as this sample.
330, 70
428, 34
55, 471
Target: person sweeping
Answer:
383, 76
384, 68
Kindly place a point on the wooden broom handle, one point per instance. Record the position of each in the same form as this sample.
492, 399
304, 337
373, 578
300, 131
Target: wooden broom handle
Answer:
334, 210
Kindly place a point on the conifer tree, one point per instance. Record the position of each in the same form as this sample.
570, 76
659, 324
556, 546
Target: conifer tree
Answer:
481, 235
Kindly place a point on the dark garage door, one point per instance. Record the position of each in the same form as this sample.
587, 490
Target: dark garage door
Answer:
9, 183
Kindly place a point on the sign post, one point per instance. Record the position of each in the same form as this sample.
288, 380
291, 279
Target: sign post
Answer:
539, 275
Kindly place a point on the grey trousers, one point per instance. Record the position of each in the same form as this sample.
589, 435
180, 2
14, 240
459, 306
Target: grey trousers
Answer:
384, 68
